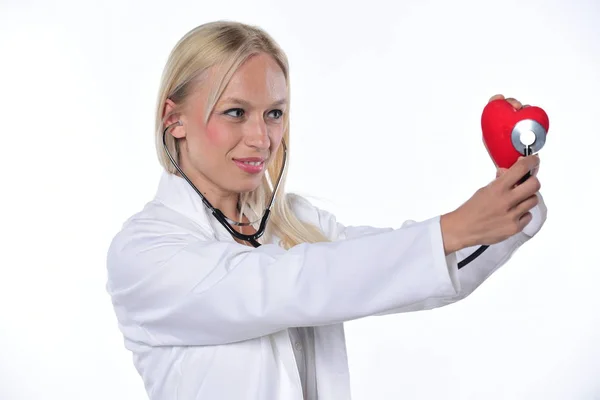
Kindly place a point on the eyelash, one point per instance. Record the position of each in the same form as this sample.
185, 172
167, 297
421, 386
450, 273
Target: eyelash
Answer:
280, 113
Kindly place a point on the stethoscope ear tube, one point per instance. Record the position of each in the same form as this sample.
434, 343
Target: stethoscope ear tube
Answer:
218, 214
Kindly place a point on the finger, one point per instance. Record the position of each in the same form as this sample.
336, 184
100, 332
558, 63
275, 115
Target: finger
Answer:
526, 205
524, 220
535, 170
500, 172
496, 97
519, 169
514, 102
525, 190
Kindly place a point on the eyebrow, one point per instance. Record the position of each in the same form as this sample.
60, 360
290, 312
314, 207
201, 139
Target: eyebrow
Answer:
247, 104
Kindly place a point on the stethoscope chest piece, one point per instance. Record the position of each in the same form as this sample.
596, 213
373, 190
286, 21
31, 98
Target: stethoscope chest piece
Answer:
528, 136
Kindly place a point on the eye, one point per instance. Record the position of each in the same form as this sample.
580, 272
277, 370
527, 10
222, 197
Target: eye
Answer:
278, 114
235, 112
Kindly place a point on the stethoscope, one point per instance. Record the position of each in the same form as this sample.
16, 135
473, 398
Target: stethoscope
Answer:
218, 214
527, 136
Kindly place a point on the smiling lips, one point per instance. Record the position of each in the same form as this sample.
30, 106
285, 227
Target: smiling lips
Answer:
251, 165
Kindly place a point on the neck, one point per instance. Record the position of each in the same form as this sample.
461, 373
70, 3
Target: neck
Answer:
223, 200
226, 202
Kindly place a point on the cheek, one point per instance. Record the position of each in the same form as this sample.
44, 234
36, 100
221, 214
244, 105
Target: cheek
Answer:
219, 136
215, 135
210, 144
276, 134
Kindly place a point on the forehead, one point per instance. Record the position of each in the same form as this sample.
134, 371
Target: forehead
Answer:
258, 79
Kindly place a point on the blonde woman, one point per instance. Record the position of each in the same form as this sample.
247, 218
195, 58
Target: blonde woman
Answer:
210, 308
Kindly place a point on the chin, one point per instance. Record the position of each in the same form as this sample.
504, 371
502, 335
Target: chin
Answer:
249, 185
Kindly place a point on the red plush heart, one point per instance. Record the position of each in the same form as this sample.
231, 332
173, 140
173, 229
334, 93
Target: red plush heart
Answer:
497, 122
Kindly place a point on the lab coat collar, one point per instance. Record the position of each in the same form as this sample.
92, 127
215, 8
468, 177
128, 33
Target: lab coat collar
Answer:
176, 193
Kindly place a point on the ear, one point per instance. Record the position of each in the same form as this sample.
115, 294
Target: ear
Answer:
177, 131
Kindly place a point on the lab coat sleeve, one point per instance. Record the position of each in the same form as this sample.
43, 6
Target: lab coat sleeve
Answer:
178, 290
472, 275
467, 279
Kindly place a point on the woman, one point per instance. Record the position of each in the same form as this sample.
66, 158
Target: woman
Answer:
211, 316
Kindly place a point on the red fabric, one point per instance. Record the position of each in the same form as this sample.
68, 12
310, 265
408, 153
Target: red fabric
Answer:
497, 122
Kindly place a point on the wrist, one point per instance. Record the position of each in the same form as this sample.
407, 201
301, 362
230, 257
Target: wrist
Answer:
453, 234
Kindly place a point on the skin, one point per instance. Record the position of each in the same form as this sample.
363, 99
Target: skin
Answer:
247, 121
252, 126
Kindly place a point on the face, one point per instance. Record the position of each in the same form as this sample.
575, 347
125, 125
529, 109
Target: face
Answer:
230, 153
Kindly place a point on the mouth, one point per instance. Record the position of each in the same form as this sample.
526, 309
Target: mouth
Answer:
251, 165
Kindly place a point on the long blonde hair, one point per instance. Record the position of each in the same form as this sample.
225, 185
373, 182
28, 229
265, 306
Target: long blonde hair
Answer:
228, 44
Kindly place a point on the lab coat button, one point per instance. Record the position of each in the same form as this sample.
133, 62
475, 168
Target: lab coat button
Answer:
298, 346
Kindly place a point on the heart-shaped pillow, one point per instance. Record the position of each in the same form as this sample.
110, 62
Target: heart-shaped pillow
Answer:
498, 119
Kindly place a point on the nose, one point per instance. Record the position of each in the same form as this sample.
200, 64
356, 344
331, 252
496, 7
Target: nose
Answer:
257, 135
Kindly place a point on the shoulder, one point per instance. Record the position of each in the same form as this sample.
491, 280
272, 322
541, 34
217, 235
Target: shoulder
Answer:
321, 218
328, 223
151, 236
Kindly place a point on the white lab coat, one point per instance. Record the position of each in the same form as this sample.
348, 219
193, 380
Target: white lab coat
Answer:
208, 318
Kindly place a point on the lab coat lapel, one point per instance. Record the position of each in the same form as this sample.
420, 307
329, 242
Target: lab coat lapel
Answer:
290, 386
333, 379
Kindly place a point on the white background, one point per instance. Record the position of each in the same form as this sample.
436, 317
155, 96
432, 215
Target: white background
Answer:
386, 103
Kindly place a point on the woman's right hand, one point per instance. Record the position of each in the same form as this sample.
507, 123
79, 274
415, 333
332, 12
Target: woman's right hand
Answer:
496, 211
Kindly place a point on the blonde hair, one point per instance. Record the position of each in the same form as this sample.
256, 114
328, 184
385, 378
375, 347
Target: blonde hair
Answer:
228, 44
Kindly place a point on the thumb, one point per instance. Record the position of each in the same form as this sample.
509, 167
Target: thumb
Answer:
501, 171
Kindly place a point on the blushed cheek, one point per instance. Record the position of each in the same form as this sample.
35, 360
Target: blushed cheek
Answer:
213, 135
217, 135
